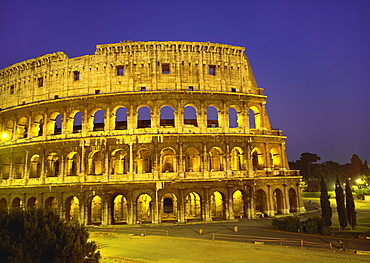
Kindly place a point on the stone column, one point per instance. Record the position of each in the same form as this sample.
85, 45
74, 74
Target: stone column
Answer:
230, 205
181, 207
207, 206
270, 204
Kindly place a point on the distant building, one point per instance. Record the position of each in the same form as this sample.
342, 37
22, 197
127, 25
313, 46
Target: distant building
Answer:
142, 132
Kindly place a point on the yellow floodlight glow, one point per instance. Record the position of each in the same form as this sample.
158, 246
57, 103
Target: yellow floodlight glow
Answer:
4, 135
358, 181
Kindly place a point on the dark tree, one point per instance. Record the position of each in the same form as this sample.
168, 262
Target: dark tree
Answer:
307, 159
356, 166
326, 212
350, 204
37, 235
341, 208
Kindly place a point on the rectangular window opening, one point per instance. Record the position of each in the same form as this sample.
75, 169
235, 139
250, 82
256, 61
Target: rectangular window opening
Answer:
212, 70
97, 91
76, 75
143, 88
233, 89
191, 88
12, 89
165, 68
120, 71
40, 82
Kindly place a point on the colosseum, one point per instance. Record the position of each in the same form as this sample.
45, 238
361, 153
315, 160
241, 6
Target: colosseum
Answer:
142, 132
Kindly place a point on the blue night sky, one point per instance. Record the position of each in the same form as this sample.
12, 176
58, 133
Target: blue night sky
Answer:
311, 57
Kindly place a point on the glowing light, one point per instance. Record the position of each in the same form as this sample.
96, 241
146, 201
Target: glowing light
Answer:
4, 135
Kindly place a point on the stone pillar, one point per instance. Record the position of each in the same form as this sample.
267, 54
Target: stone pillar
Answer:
131, 168
270, 203
300, 205
105, 211
207, 206
181, 207
285, 200
230, 203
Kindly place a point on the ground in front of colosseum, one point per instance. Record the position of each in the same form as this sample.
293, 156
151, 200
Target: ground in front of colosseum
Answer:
125, 248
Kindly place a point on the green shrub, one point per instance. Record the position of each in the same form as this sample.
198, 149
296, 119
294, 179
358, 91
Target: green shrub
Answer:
315, 225
289, 223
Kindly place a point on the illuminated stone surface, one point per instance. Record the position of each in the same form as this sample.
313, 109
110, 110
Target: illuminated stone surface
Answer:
142, 132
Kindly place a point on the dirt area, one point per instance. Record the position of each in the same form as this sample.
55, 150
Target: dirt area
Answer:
116, 247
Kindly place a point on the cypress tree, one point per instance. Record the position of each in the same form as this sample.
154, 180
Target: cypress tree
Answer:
350, 204
326, 212
341, 208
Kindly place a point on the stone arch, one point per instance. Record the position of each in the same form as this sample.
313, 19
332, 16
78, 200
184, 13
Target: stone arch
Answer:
218, 205
52, 165
254, 117
192, 160
144, 117
17, 202
18, 167
37, 126
215, 159
120, 162
72, 209
120, 209
275, 158
96, 163
169, 207
278, 200
213, 120
190, 116
239, 204
73, 164
96, 120
5, 167
35, 166
168, 160
32, 202
54, 126
75, 122
8, 131
22, 128
237, 159
120, 118
95, 215
193, 206
235, 119
167, 117
144, 161
261, 202
257, 158
144, 208
51, 203
293, 203
3, 204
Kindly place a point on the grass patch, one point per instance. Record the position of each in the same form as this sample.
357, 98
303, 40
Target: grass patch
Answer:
362, 226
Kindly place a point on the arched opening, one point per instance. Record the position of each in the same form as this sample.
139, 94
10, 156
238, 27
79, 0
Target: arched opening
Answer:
77, 122
192, 160
98, 121
144, 161
58, 124
261, 203
144, 208
121, 119
257, 159
72, 209
254, 116
278, 201
52, 166
215, 159
37, 126
3, 204
212, 117
35, 166
5, 167
18, 168
217, 206
120, 162
233, 118
32, 202
73, 164
292, 201
190, 116
167, 117
120, 210
238, 204
275, 158
51, 203
22, 128
96, 211
168, 160
169, 207
193, 207
17, 202
96, 163
8, 131
237, 159
144, 118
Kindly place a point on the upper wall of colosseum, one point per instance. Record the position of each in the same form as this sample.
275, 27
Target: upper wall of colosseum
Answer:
129, 67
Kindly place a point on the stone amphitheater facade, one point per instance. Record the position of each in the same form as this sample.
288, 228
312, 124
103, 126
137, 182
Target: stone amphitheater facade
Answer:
142, 132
